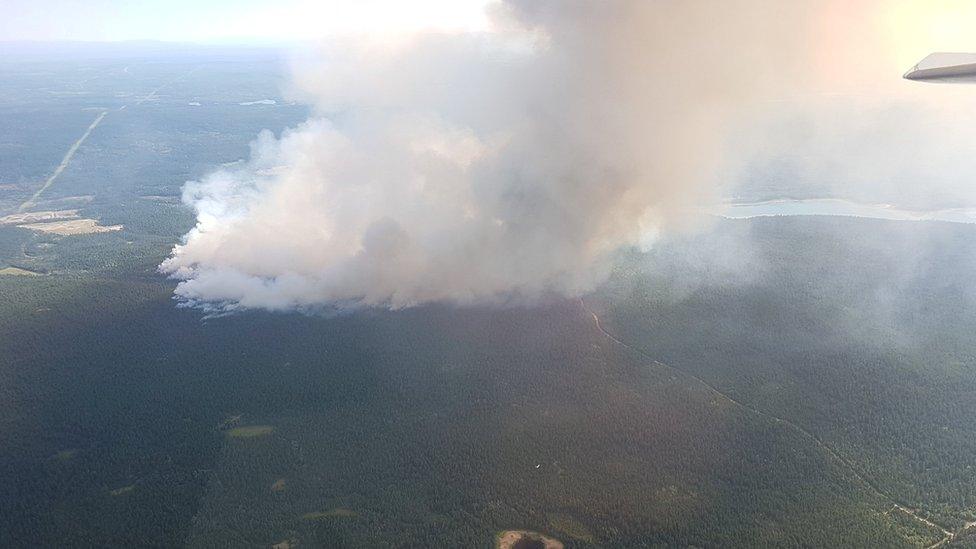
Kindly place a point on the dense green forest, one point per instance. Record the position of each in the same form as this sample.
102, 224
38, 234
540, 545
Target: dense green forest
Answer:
859, 331
431, 426
769, 382
443, 426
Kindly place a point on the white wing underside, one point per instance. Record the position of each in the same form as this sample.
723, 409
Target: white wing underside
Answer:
945, 67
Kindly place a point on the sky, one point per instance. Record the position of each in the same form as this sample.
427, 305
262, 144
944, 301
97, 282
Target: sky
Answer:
921, 24
227, 20
911, 28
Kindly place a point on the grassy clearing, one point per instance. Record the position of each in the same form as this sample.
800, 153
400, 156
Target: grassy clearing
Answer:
71, 227
65, 455
338, 512
123, 490
250, 431
38, 217
16, 271
518, 539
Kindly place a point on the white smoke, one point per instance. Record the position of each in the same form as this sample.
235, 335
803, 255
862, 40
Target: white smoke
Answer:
490, 167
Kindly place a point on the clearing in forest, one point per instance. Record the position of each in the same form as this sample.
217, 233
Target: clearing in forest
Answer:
250, 431
123, 490
523, 539
16, 271
38, 217
338, 512
72, 227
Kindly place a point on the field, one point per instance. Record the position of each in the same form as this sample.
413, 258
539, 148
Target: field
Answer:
14, 271
72, 227
772, 382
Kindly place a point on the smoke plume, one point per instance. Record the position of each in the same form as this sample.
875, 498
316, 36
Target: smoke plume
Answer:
486, 168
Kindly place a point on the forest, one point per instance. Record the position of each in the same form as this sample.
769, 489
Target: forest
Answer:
442, 426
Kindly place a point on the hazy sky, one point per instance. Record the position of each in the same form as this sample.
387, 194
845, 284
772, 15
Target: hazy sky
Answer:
226, 20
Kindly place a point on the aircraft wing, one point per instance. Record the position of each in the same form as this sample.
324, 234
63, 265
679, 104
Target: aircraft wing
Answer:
945, 67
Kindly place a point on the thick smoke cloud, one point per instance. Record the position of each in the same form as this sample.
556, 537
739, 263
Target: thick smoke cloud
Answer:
498, 167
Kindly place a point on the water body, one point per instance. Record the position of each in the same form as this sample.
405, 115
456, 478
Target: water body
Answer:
836, 206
